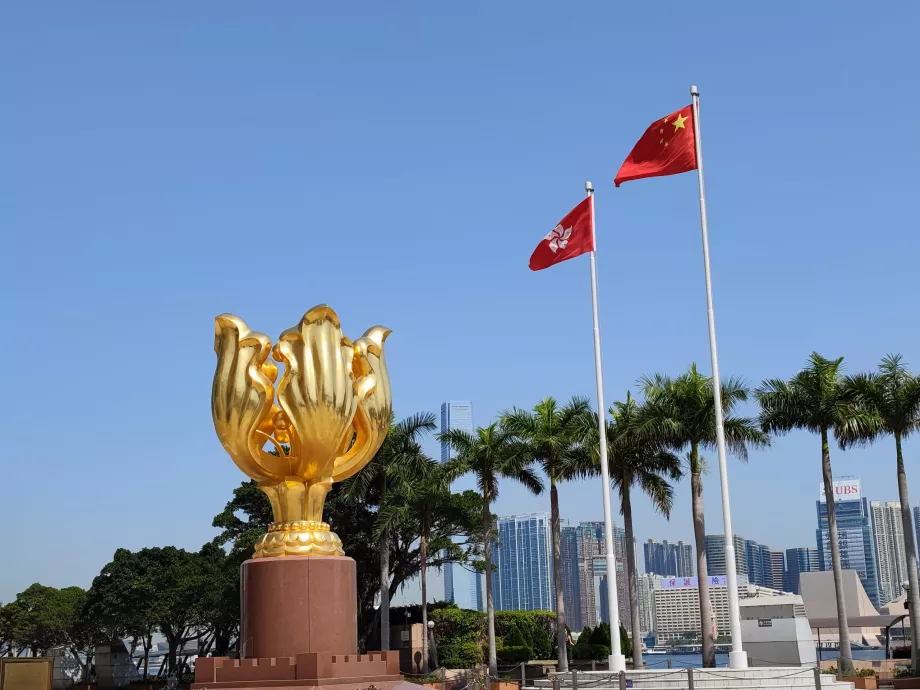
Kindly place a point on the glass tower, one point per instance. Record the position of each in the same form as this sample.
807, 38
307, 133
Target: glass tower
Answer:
855, 534
803, 559
462, 586
523, 562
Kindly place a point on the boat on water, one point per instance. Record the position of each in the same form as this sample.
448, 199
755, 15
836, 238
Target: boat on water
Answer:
658, 649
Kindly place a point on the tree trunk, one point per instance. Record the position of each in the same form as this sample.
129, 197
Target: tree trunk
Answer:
423, 552
631, 576
845, 667
562, 664
148, 643
702, 570
910, 549
384, 547
490, 604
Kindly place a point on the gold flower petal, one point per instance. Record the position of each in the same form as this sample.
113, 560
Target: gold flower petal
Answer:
317, 391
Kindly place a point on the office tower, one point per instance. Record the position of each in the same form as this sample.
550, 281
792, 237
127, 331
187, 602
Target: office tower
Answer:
889, 548
715, 554
664, 558
777, 569
803, 559
455, 415
854, 533
646, 587
523, 561
754, 561
462, 586
571, 591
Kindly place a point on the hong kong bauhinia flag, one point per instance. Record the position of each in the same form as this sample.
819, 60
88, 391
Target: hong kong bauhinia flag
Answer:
668, 147
573, 236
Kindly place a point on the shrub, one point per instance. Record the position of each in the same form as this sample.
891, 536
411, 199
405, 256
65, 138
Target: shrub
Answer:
463, 655
866, 672
514, 654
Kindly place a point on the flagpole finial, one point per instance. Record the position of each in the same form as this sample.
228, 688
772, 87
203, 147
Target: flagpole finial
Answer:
589, 188
694, 91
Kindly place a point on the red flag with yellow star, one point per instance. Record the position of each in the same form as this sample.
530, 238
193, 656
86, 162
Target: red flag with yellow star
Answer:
668, 147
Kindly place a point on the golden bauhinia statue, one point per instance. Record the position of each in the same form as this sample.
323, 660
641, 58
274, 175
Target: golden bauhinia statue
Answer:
327, 418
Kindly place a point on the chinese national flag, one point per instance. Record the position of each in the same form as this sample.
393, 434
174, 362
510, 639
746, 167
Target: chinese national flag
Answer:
573, 236
668, 147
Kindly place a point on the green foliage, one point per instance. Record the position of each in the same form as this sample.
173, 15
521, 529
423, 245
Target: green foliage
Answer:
594, 644
514, 654
460, 635
866, 673
531, 629
830, 670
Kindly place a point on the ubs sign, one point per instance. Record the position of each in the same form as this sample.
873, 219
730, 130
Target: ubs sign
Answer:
844, 490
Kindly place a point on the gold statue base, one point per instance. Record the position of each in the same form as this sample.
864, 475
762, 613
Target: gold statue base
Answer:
299, 538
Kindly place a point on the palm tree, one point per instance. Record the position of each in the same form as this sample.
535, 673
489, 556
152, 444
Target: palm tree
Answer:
892, 396
427, 506
680, 412
398, 461
489, 454
554, 437
815, 399
637, 460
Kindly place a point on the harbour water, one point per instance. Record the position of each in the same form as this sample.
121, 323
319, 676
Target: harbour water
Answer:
696, 660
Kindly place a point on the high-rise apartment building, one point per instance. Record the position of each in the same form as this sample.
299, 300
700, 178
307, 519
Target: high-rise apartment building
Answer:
803, 559
715, 554
571, 588
889, 548
668, 559
777, 569
917, 526
584, 574
686, 560
523, 577
646, 586
462, 586
854, 533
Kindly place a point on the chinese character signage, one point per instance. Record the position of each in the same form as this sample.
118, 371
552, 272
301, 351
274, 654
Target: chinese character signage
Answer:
677, 582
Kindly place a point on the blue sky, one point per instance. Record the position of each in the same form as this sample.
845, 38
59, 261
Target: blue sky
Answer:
164, 163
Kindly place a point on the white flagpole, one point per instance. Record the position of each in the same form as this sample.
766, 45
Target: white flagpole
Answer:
737, 657
616, 661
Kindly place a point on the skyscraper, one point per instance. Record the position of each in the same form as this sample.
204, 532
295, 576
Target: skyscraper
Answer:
461, 585
803, 559
917, 526
715, 554
523, 577
571, 589
455, 414
646, 586
584, 574
854, 533
777, 569
668, 559
889, 548
686, 561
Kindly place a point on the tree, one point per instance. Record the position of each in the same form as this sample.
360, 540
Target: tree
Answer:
39, 617
892, 397
391, 470
490, 454
554, 438
218, 610
644, 461
815, 399
427, 506
7, 646
680, 412
122, 599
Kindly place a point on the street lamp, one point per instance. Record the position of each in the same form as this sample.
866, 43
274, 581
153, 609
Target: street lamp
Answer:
431, 643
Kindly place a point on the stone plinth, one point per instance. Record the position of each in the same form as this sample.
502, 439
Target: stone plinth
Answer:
380, 669
293, 606
299, 629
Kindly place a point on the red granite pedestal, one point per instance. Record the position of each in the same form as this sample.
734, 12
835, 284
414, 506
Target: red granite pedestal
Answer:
299, 629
